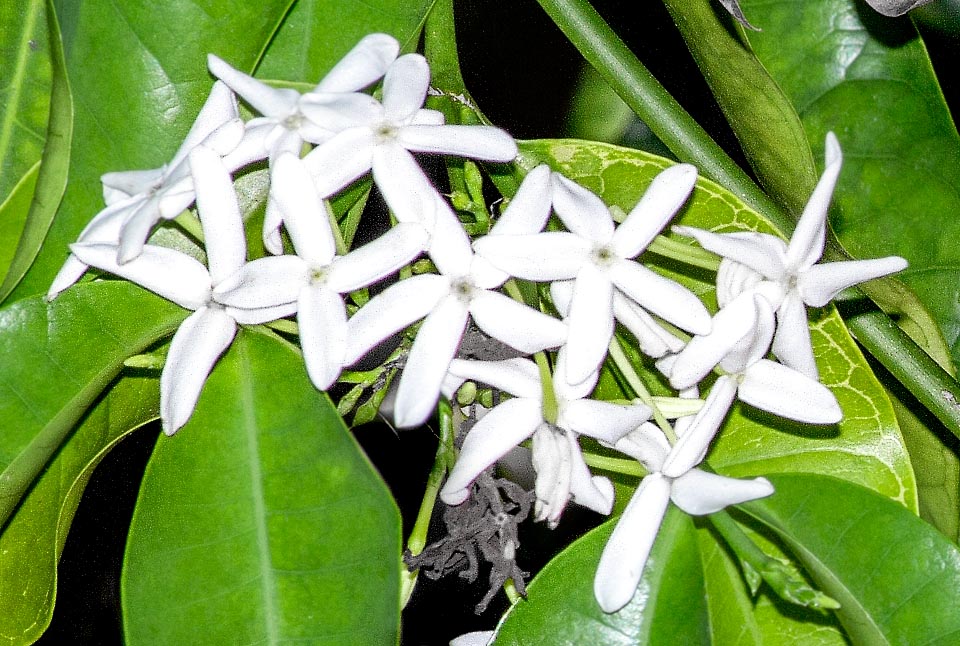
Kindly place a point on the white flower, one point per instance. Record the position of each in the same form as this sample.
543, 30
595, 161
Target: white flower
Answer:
315, 278
673, 476
379, 137
463, 289
206, 333
788, 274
477, 638
137, 199
599, 257
561, 472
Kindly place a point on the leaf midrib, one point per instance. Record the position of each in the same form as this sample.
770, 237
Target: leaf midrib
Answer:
16, 83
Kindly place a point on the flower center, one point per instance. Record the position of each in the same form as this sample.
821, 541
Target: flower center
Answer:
463, 289
317, 274
293, 122
603, 256
386, 132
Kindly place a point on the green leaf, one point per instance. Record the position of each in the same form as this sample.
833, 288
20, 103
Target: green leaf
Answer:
133, 110
765, 123
671, 607
869, 79
261, 521
32, 541
897, 579
58, 357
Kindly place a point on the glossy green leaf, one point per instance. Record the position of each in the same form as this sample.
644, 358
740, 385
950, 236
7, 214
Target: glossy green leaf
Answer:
32, 541
133, 110
57, 358
866, 447
764, 121
869, 79
897, 579
261, 521
669, 608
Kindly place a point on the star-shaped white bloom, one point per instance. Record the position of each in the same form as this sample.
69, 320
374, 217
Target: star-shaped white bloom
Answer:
315, 278
562, 474
464, 288
136, 200
205, 334
740, 338
599, 256
380, 137
673, 477
789, 274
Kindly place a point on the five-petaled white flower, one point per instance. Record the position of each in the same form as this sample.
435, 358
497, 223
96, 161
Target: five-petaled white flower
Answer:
561, 472
599, 256
205, 334
789, 275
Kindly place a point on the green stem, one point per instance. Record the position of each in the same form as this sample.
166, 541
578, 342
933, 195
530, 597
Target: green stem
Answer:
614, 465
550, 406
190, 223
639, 388
695, 256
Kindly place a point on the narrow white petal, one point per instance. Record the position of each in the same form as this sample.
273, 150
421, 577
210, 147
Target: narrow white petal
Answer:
761, 252
806, 244
647, 445
477, 638
405, 87
219, 214
136, 228
268, 101
378, 258
322, 321
504, 427
791, 341
692, 446
265, 282
427, 117
666, 194
652, 339
251, 147
272, 221
516, 324
225, 138
306, 216
699, 492
404, 186
519, 377
590, 322
121, 185
820, 283
602, 420
338, 112
258, 315
561, 291
476, 142
581, 210
626, 552
554, 255
366, 63
433, 350
529, 209
171, 274
335, 164
566, 390
755, 345
392, 310
449, 247
669, 300
219, 109
71, 271
586, 489
196, 346
785, 392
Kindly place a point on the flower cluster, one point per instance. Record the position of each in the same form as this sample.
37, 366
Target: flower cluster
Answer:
318, 143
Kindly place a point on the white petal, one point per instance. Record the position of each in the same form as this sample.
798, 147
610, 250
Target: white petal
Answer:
272, 221
258, 315
669, 300
427, 117
121, 185
806, 244
392, 310
581, 210
692, 446
755, 345
251, 147
699, 492
652, 339
136, 229
647, 445
306, 215
563, 388
516, 324
449, 247
404, 186
171, 274
477, 638
734, 278
761, 252
785, 392
519, 377
366, 63
219, 109
586, 489
71, 271
334, 165
791, 341
378, 258
591, 324
554, 255
476, 142
666, 194
497, 432
820, 283
561, 291
626, 552
264, 282
322, 321
433, 350
405, 87
529, 209
219, 214
196, 346
334, 113
602, 420
268, 101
